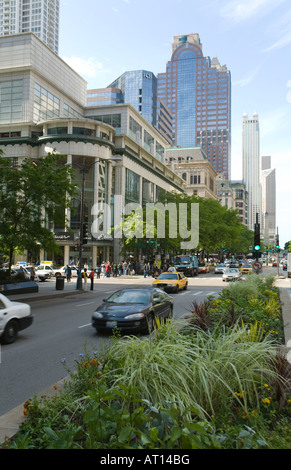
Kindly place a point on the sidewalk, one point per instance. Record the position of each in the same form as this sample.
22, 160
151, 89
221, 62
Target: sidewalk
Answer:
48, 289
10, 422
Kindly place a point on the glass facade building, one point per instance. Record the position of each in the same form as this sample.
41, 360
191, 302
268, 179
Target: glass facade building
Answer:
139, 88
197, 91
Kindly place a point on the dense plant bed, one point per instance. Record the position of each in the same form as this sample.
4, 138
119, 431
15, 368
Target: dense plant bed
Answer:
219, 382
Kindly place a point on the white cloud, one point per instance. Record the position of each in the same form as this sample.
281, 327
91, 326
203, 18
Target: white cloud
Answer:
240, 10
284, 41
85, 67
247, 79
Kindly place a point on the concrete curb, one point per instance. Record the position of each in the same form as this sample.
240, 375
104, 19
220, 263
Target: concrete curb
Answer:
48, 296
10, 422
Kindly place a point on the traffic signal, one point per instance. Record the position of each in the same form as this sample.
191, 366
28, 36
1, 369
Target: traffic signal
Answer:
257, 241
85, 234
277, 243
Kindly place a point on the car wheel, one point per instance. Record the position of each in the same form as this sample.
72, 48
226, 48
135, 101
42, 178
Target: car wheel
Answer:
186, 286
10, 332
176, 289
170, 313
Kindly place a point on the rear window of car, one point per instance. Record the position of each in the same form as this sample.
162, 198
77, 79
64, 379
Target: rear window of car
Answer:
168, 276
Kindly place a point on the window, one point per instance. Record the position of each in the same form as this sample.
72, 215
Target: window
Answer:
11, 93
46, 105
135, 130
131, 187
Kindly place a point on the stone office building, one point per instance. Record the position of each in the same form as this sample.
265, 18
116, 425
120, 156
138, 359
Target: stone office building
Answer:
43, 109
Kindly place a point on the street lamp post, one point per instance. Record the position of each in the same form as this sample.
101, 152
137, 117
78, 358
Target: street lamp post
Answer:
83, 171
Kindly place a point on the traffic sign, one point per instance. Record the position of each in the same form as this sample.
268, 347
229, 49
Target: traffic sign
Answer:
257, 266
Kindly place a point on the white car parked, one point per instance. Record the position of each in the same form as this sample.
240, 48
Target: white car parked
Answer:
61, 272
44, 271
14, 317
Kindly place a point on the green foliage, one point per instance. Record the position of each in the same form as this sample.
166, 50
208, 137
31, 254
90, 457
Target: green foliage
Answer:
31, 198
219, 382
218, 226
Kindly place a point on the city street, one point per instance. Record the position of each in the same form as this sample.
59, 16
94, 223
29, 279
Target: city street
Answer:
62, 329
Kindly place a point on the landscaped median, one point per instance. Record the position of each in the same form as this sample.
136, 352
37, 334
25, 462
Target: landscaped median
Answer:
219, 381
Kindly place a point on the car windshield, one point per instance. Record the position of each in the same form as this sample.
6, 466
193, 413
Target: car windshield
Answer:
182, 259
232, 270
130, 297
168, 276
221, 265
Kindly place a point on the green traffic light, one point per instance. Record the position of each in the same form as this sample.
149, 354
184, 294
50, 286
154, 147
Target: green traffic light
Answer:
257, 247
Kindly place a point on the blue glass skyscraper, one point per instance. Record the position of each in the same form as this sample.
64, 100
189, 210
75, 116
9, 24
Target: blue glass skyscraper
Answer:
197, 91
139, 88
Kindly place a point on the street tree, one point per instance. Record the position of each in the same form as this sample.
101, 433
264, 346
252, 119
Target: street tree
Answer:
218, 226
33, 198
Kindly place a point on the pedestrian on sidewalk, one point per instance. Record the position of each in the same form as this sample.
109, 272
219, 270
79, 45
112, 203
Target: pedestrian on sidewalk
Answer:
119, 269
114, 270
147, 269
85, 278
125, 268
32, 274
108, 269
92, 278
68, 272
102, 270
98, 271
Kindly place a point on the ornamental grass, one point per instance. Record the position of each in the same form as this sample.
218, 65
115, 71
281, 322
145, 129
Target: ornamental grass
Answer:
201, 370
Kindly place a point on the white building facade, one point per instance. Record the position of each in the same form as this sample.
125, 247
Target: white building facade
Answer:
40, 17
43, 109
268, 178
252, 167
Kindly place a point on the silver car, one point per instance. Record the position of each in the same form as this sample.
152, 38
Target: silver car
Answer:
231, 274
220, 268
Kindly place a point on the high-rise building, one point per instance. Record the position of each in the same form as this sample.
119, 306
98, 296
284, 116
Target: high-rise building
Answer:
40, 17
139, 89
116, 150
268, 178
197, 91
252, 167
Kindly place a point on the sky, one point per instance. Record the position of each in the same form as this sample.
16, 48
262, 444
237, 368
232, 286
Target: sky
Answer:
101, 40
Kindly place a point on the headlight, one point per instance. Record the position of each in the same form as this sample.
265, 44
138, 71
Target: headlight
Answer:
98, 315
135, 316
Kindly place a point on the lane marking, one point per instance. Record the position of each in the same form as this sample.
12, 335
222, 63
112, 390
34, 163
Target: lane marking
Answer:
84, 326
82, 305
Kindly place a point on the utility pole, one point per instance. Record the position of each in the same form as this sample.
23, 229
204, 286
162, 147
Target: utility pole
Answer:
278, 251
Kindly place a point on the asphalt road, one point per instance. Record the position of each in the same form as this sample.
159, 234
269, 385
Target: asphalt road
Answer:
61, 330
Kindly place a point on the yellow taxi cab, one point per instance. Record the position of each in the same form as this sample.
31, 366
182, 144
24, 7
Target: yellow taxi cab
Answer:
246, 269
171, 281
